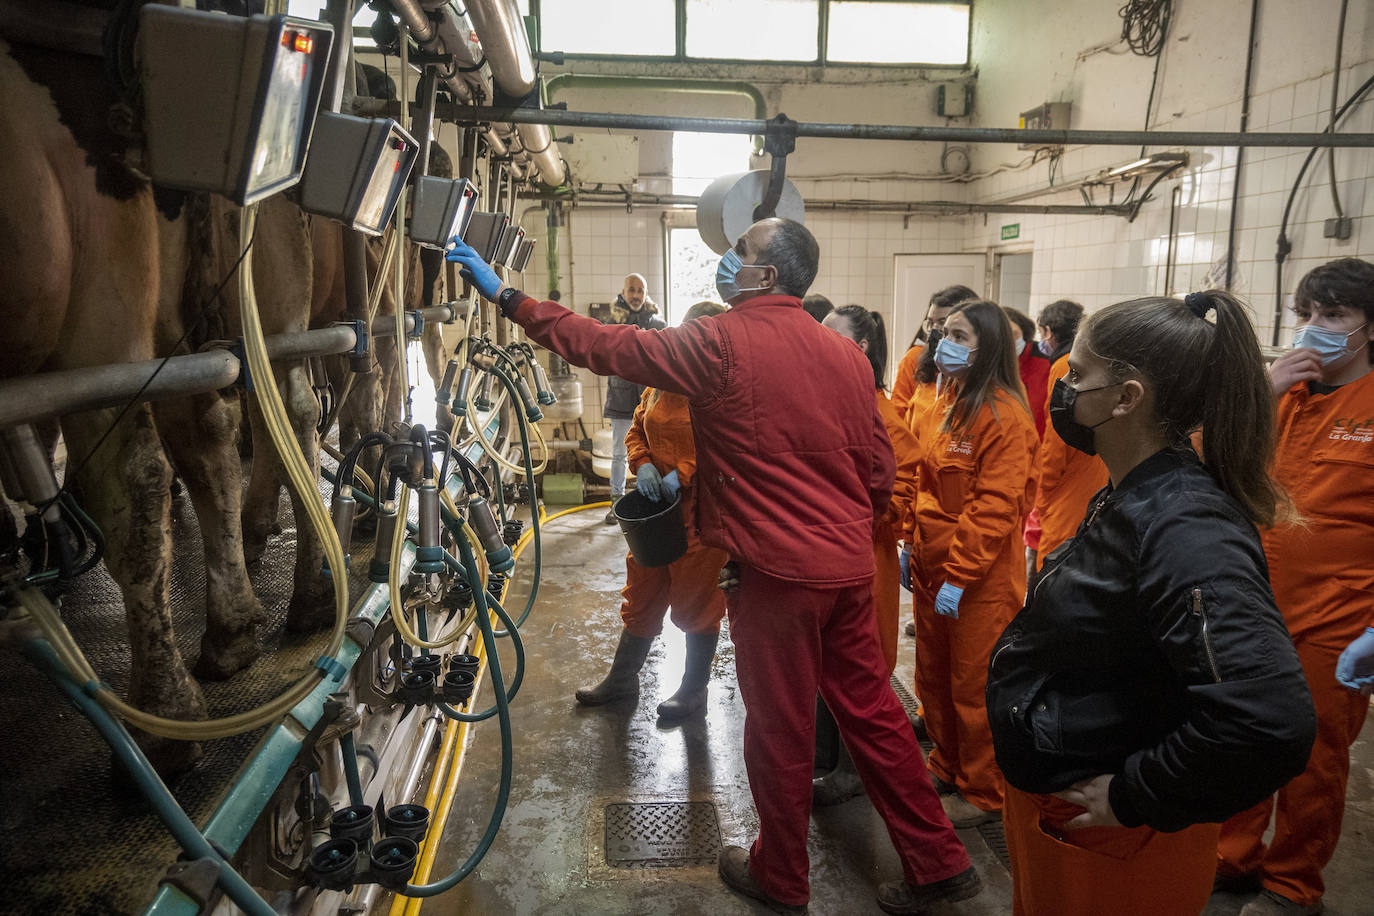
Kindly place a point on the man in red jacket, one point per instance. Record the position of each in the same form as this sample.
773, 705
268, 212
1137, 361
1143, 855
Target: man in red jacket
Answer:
793, 465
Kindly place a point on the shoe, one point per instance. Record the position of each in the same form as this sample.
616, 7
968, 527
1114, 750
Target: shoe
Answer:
962, 813
902, 898
910, 628
839, 785
1269, 903
918, 725
623, 678
734, 871
691, 693
610, 517
1230, 892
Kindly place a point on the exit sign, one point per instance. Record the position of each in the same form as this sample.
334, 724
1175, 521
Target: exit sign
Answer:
1012, 231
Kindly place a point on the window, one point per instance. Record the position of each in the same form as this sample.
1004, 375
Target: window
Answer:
878, 32
634, 28
753, 29
883, 32
699, 159
691, 272
362, 20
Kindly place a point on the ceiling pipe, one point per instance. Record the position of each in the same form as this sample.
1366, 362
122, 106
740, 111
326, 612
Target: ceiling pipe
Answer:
832, 131
512, 66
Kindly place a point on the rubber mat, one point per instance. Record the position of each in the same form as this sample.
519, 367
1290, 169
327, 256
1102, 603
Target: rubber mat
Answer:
77, 841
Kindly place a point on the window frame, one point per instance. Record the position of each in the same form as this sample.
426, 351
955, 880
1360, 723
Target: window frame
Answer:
822, 40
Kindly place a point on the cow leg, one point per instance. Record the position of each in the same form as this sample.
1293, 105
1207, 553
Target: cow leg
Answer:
262, 499
202, 434
124, 487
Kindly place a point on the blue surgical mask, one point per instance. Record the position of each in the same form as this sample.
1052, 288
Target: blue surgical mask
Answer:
1332, 346
1044, 347
726, 271
1020, 347
952, 358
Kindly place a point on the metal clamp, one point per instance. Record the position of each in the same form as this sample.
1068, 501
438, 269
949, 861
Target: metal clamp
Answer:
245, 376
417, 328
360, 357
196, 879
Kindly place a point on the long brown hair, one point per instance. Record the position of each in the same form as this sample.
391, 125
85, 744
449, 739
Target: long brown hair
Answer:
993, 367
1203, 375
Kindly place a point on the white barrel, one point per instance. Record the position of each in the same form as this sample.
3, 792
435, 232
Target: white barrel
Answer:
726, 208
602, 442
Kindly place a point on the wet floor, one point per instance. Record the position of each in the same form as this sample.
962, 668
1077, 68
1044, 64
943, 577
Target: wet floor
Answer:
572, 763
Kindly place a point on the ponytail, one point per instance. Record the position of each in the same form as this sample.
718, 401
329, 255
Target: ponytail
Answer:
1204, 376
868, 327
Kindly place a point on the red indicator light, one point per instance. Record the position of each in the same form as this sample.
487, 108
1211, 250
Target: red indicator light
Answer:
303, 43
396, 168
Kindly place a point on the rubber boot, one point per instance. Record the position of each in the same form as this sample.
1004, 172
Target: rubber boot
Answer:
839, 785
691, 693
623, 678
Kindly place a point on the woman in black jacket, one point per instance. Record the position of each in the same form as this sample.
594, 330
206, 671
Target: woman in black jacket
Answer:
1149, 689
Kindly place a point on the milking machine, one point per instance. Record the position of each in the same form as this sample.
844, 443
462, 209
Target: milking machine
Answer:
321, 816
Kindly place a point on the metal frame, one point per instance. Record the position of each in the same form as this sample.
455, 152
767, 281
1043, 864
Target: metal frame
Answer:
680, 54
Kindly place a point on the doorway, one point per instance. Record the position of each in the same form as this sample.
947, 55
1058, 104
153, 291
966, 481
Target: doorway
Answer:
1011, 280
918, 277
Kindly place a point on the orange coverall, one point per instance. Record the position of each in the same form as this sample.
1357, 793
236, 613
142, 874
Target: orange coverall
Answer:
1323, 579
1095, 870
1068, 480
912, 398
891, 527
662, 434
972, 495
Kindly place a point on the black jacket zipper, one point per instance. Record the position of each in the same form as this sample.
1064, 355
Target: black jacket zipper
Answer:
1201, 613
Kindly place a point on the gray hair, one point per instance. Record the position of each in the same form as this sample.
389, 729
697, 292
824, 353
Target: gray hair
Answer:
793, 252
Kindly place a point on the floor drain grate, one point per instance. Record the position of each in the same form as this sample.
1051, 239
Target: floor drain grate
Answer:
912, 707
662, 834
996, 838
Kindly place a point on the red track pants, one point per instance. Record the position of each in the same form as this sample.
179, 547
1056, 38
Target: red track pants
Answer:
790, 640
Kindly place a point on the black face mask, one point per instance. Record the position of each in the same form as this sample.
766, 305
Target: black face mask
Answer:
1075, 435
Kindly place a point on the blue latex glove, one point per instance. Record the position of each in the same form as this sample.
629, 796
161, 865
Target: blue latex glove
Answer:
1356, 666
474, 269
905, 560
649, 481
947, 601
671, 484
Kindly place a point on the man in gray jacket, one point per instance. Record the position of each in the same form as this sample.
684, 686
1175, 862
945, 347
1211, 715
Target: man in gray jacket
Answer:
622, 397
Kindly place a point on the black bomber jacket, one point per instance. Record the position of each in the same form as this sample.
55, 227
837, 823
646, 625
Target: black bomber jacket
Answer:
1152, 649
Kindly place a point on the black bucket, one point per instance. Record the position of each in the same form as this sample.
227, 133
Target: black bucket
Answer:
654, 530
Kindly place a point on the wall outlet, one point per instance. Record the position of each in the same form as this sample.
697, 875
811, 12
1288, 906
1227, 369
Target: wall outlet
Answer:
952, 100
1338, 227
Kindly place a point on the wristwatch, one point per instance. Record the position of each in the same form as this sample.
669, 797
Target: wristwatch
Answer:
508, 300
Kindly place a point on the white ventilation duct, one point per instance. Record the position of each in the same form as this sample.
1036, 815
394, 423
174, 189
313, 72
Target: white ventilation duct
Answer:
508, 52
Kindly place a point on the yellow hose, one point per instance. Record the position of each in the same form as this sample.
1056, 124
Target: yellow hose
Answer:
490, 449
410, 906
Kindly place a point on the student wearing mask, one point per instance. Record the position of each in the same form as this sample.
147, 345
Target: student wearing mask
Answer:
974, 486
1322, 572
1149, 690
1058, 323
1068, 477
622, 395
868, 331
913, 390
793, 467
663, 457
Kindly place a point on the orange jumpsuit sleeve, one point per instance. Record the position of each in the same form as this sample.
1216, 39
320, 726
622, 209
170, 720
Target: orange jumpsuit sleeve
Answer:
1003, 482
906, 450
904, 385
636, 442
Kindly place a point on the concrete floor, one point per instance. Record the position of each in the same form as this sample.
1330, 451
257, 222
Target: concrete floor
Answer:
571, 762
